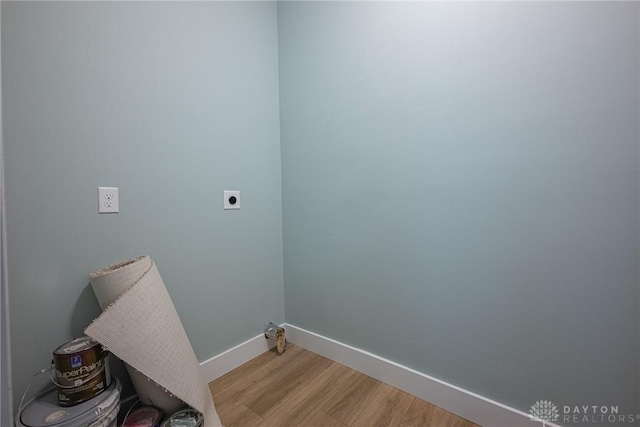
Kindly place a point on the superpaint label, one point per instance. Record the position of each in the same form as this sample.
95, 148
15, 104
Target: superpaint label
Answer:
76, 372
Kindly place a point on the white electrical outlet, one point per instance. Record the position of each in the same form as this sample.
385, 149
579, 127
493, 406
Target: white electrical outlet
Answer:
231, 199
108, 200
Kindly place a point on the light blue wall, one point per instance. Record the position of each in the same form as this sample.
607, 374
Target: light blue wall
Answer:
461, 190
460, 181
171, 102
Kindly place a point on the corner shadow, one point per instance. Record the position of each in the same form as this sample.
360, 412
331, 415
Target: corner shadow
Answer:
84, 312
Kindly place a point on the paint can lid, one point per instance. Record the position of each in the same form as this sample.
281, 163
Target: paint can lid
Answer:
146, 416
76, 346
44, 411
184, 418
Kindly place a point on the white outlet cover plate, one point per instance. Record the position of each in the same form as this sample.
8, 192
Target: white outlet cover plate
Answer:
227, 195
108, 200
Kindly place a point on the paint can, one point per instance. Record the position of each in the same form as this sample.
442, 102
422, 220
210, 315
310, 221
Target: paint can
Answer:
146, 416
44, 411
185, 418
81, 371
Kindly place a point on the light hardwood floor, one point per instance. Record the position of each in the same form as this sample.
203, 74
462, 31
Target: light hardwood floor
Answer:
303, 389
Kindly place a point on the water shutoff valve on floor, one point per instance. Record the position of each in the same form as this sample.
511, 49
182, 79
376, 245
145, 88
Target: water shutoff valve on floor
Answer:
275, 332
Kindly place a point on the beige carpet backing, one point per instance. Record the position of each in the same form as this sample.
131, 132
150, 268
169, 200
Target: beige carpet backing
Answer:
141, 326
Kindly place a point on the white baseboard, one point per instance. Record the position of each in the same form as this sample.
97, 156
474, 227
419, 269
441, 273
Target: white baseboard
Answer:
469, 405
227, 361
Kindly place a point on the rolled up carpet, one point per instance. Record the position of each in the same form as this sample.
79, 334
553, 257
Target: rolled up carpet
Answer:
139, 325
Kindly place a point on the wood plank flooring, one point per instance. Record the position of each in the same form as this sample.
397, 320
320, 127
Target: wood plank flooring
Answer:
303, 389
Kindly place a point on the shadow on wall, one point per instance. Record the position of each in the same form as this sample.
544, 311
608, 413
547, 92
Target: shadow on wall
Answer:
85, 310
